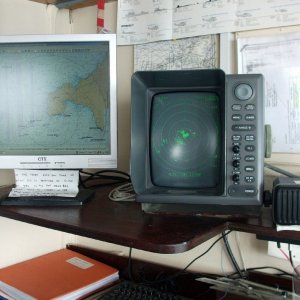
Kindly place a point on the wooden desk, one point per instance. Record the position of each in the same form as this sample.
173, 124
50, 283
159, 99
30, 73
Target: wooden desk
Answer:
124, 223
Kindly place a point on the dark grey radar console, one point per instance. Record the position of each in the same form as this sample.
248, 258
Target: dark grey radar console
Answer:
245, 137
197, 138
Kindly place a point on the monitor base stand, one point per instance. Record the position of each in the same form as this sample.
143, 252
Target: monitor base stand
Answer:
208, 210
82, 197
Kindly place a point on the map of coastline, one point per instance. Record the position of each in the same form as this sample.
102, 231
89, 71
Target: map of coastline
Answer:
94, 86
55, 99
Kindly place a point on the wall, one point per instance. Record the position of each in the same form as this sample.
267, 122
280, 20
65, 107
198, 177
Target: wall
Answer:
20, 241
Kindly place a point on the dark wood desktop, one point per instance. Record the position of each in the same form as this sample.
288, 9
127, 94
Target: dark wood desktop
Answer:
125, 223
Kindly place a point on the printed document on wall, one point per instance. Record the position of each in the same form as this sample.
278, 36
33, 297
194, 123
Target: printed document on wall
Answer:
278, 59
141, 21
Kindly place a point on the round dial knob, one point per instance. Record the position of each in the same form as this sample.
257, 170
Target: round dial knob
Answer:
236, 149
235, 177
243, 91
236, 163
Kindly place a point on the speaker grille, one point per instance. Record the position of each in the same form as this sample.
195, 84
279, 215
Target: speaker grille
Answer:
286, 206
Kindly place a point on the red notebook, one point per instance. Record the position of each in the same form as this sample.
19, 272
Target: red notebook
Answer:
62, 274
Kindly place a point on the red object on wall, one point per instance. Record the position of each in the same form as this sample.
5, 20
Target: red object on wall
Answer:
100, 16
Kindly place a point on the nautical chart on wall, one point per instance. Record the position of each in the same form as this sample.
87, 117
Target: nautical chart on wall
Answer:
190, 53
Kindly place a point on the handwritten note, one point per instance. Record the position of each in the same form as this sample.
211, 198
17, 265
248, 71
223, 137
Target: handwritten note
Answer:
63, 183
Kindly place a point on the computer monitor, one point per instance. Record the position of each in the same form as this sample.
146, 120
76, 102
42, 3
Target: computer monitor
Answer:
58, 106
197, 137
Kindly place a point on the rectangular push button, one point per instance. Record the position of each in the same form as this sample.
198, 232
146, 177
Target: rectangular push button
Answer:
243, 127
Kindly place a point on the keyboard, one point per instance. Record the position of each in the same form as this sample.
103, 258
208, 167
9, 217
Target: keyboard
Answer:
128, 290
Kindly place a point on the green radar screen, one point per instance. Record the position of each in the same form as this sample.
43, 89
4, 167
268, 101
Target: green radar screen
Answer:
186, 140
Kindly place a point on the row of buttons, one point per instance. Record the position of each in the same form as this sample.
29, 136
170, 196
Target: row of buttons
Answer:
248, 158
248, 138
238, 117
238, 107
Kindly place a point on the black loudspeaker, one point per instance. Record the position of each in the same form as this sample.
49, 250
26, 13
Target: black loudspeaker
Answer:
286, 201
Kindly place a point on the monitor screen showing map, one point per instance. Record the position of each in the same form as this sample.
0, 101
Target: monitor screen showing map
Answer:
58, 101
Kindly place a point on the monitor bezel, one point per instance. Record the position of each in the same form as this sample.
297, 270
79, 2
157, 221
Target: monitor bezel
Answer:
146, 86
70, 161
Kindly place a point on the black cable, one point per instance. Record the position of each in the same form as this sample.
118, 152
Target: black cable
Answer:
129, 267
169, 278
205, 252
231, 256
106, 174
127, 272
108, 177
282, 272
102, 173
291, 258
81, 182
182, 271
167, 282
292, 261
